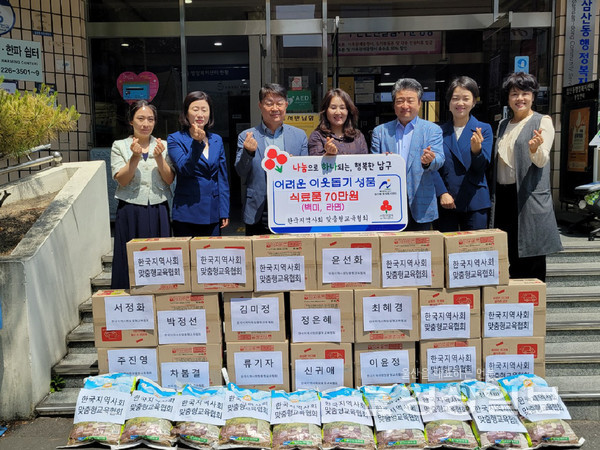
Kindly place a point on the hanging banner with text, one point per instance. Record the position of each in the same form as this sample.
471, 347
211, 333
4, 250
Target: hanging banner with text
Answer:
579, 41
308, 194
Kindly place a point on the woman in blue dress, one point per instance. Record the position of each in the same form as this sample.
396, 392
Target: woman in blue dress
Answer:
201, 199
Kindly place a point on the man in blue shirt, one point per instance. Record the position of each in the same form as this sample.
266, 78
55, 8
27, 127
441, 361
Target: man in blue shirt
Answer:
272, 101
420, 144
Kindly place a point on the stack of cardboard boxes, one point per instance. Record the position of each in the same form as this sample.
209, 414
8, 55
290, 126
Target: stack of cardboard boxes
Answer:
358, 308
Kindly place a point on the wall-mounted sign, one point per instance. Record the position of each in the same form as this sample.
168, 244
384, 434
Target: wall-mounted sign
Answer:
134, 87
306, 122
7, 17
390, 43
522, 64
308, 194
299, 101
579, 41
21, 60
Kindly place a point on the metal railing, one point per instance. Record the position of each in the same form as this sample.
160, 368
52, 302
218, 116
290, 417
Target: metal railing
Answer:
54, 157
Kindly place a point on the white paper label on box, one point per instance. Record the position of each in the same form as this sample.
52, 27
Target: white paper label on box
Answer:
286, 410
473, 269
185, 326
451, 363
400, 413
445, 322
406, 269
262, 368
347, 265
316, 325
500, 366
385, 367
440, 405
279, 273
508, 319
246, 407
149, 405
134, 361
206, 409
492, 412
129, 313
345, 408
101, 405
319, 373
255, 314
175, 375
392, 312
221, 265
158, 267
537, 403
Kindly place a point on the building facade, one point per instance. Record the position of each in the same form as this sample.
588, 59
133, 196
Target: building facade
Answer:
97, 52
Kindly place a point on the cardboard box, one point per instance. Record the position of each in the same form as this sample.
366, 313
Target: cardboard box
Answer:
134, 361
476, 258
349, 262
182, 355
387, 363
507, 310
271, 326
311, 325
450, 360
391, 307
120, 338
511, 356
321, 369
449, 298
406, 255
278, 261
259, 361
159, 265
186, 302
217, 260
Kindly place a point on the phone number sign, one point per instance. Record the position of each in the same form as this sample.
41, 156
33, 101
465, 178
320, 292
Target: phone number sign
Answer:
21, 60
308, 194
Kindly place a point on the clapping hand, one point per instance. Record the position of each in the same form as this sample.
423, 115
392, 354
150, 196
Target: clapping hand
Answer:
428, 156
330, 147
159, 148
476, 141
536, 141
250, 143
197, 132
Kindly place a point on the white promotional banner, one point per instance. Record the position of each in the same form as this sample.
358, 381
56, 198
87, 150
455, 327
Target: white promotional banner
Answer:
307, 194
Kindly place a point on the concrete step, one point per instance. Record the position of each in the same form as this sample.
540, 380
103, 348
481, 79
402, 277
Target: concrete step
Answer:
581, 394
85, 311
60, 403
83, 333
569, 325
576, 249
75, 367
558, 296
573, 274
101, 281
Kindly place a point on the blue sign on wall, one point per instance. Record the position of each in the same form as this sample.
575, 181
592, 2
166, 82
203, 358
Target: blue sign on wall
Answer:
7, 17
522, 64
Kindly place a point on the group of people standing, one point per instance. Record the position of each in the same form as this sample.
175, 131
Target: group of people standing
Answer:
455, 178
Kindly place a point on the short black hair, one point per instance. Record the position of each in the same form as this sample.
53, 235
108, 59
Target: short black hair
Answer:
464, 82
191, 98
272, 89
522, 81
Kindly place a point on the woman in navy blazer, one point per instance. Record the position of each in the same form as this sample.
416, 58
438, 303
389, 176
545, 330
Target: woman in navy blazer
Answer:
201, 199
460, 183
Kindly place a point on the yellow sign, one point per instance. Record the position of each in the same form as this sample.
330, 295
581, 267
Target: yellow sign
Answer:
307, 122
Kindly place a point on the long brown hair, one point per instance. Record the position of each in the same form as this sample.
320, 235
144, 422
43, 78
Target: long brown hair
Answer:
351, 123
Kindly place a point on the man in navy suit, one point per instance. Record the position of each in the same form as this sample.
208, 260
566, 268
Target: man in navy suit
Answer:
272, 101
419, 142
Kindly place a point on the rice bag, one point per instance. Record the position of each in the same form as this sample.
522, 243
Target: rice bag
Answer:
100, 410
199, 416
445, 415
247, 414
149, 417
346, 420
397, 418
296, 420
541, 409
495, 423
